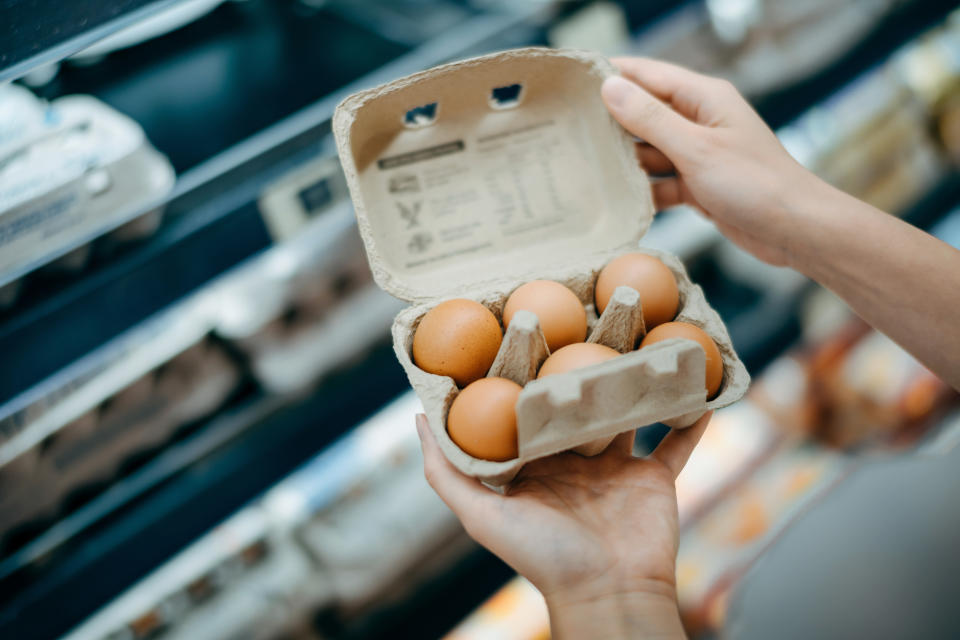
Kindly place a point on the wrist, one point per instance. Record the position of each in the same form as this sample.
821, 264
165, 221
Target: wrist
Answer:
815, 216
647, 613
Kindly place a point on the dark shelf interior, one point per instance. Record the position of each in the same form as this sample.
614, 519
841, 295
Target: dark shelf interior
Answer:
34, 32
134, 539
212, 222
213, 83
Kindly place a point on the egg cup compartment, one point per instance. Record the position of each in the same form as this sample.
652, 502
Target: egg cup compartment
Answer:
522, 350
478, 199
620, 326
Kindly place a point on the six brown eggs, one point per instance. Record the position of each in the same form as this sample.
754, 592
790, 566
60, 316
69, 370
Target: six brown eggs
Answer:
460, 338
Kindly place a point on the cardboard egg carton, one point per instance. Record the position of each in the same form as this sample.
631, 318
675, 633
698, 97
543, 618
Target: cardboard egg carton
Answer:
475, 177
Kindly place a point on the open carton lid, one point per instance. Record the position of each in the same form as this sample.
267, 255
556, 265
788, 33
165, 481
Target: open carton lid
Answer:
489, 169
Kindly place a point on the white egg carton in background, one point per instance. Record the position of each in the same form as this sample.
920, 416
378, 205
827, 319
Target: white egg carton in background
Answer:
309, 307
78, 427
148, 384
475, 177
355, 530
71, 171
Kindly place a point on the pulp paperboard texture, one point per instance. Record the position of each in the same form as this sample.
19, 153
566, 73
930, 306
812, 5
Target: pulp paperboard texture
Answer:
475, 177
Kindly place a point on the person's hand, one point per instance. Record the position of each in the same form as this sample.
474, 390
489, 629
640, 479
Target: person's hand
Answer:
597, 536
720, 156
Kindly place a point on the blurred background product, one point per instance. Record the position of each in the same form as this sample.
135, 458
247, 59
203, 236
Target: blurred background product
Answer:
204, 433
764, 45
71, 171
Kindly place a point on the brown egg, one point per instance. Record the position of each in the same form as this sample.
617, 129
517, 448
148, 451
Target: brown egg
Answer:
652, 279
483, 419
457, 338
692, 332
563, 319
575, 356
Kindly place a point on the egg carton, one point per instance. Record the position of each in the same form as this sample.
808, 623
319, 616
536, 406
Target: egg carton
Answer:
321, 310
75, 170
475, 177
94, 434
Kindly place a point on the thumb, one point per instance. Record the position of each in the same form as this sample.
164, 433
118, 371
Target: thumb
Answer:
647, 117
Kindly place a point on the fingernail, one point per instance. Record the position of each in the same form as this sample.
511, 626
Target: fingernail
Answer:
616, 91
421, 421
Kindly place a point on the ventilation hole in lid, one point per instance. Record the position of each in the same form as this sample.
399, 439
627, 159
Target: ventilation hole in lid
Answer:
422, 116
506, 97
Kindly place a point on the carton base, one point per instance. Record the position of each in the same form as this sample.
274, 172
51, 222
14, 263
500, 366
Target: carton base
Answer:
685, 420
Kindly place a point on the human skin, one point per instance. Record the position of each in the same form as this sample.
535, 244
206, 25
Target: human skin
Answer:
598, 536
723, 160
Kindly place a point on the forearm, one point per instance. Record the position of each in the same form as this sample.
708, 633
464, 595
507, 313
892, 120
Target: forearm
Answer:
899, 279
615, 617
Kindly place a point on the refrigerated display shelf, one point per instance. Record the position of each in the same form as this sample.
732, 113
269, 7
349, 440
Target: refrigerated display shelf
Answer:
198, 482
203, 88
34, 33
247, 409
214, 223
213, 220
127, 544
434, 610
215, 82
905, 21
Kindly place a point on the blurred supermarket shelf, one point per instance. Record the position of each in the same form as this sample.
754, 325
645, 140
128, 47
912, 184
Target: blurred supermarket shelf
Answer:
228, 424
34, 34
291, 316
213, 221
258, 267
139, 536
762, 331
202, 88
304, 518
773, 63
905, 21
303, 547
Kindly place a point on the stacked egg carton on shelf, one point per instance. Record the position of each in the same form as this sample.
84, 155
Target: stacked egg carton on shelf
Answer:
476, 177
338, 544
66, 446
308, 306
71, 171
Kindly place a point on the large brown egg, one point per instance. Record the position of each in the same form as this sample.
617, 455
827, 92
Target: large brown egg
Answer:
483, 419
457, 338
691, 332
575, 356
653, 280
563, 319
